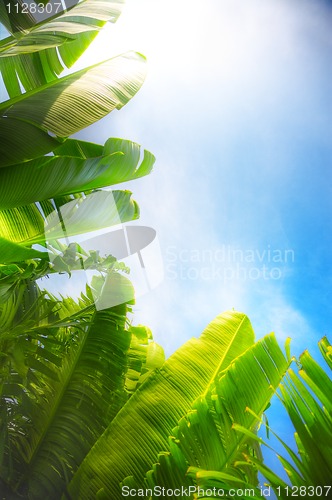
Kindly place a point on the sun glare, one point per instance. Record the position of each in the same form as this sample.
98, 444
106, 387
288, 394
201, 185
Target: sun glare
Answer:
167, 37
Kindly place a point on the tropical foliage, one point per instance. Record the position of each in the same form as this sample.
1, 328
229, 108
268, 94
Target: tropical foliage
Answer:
62, 362
63, 381
182, 416
88, 404
34, 54
39, 121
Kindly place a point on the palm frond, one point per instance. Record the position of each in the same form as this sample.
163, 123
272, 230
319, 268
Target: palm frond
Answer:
310, 411
326, 350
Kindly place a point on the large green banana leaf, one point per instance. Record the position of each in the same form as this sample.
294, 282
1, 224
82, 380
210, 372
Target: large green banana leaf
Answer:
77, 166
76, 19
29, 123
140, 431
22, 227
205, 438
38, 55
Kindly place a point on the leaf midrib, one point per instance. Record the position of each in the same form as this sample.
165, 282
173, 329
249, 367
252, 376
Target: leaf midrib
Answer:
204, 394
76, 75
58, 400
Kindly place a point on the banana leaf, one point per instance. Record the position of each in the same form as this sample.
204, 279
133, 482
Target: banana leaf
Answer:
77, 166
12, 252
38, 121
205, 438
132, 442
36, 55
13, 18
22, 227
69, 398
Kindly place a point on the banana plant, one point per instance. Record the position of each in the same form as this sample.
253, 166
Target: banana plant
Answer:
62, 364
40, 120
76, 166
35, 123
180, 421
62, 384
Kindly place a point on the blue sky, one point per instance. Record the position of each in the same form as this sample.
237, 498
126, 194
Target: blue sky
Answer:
237, 110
